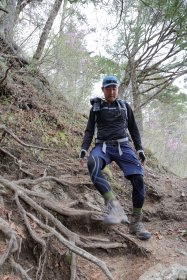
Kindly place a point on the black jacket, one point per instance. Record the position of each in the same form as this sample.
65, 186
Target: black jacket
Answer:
111, 122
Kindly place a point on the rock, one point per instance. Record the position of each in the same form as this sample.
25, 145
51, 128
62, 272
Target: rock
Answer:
160, 272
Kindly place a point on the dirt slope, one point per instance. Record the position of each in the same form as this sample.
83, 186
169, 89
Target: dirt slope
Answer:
42, 190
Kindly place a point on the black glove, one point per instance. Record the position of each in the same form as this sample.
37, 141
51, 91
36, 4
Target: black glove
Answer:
82, 154
141, 155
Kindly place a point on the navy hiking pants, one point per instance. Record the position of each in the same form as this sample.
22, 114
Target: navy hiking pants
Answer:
128, 163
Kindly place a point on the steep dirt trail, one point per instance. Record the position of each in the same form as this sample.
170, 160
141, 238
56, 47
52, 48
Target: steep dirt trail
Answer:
165, 216
27, 111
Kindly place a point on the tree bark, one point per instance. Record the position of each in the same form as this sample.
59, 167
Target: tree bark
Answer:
129, 84
46, 30
64, 16
7, 20
136, 101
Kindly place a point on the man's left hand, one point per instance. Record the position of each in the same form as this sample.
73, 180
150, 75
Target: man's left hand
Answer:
141, 156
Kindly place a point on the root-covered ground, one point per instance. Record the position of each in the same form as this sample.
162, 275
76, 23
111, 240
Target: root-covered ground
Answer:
51, 216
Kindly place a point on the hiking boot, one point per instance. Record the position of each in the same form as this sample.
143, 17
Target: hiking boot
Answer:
136, 227
115, 214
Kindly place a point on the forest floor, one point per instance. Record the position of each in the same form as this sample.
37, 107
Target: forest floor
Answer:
165, 216
50, 214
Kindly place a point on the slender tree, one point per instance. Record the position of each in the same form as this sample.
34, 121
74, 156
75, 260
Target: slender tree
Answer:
43, 38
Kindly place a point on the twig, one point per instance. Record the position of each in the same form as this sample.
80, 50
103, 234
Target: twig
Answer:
2, 9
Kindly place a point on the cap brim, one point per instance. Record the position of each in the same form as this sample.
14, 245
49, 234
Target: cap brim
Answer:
111, 84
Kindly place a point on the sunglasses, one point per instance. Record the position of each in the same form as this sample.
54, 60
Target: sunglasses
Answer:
110, 82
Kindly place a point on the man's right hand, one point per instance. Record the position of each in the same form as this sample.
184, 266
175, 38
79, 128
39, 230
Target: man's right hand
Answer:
82, 155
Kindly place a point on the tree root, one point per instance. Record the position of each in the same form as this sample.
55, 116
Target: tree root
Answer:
11, 235
19, 269
76, 242
14, 136
17, 163
74, 248
133, 243
20, 194
69, 212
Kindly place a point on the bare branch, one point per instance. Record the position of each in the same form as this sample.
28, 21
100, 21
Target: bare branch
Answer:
120, 16
2, 9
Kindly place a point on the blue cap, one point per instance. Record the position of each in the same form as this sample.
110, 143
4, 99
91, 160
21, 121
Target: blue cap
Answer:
109, 81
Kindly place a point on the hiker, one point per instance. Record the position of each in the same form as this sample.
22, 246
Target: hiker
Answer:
109, 121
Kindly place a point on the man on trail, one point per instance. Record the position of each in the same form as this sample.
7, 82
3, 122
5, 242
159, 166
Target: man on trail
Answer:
109, 121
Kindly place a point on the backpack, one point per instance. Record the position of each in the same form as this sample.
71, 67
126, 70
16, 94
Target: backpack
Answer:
97, 101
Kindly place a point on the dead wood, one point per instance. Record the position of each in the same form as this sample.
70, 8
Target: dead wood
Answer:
105, 245
14, 136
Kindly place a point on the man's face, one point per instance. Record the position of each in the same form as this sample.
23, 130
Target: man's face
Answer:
110, 93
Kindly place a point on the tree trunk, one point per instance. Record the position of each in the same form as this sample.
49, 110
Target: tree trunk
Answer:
7, 20
64, 16
136, 102
21, 4
129, 84
47, 29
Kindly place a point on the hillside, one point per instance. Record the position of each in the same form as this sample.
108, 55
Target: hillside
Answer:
50, 214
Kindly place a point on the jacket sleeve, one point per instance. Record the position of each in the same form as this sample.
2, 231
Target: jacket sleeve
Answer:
133, 129
89, 132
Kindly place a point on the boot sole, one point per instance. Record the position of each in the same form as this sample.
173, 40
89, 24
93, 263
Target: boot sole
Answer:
116, 222
141, 237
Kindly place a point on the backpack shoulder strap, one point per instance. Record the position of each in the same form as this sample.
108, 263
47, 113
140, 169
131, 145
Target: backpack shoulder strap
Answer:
123, 106
96, 103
